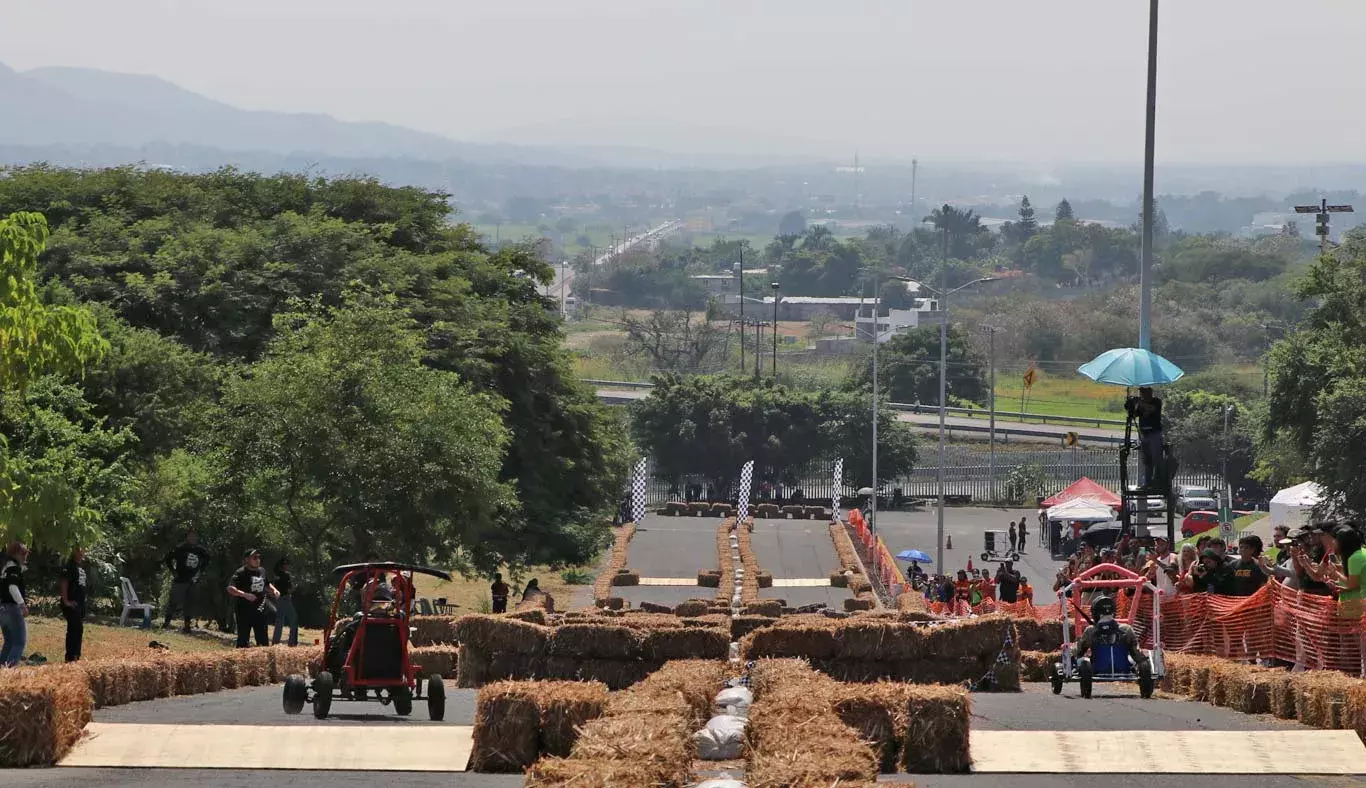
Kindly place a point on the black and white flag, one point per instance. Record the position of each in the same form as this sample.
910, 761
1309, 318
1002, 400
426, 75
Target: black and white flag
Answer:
746, 478
638, 484
839, 486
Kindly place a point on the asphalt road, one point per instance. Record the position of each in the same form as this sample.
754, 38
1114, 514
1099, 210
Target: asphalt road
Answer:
966, 526
797, 549
671, 547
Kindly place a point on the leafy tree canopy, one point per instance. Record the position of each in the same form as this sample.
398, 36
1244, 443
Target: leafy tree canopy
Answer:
908, 368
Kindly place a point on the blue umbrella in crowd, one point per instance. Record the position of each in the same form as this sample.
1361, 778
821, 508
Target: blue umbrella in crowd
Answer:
1131, 366
914, 555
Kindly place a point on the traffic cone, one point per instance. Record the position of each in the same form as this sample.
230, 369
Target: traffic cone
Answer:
948, 542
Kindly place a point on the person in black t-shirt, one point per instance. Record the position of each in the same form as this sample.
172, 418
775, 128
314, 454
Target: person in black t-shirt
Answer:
499, 591
185, 563
1210, 575
285, 614
1147, 409
73, 587
253, 593
1008, 583
1249, 571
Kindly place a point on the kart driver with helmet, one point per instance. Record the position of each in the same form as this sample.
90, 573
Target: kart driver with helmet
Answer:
1105, 630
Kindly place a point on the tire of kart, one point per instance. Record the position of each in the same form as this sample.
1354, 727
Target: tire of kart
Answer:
296, 694
986, 556
1014, 556
322, 695
403, 701
436, 698
1056, 679
1146, 685
1084, 679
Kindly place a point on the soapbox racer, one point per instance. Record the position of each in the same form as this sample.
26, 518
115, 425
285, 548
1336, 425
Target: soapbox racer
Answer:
365, 653
1108, 650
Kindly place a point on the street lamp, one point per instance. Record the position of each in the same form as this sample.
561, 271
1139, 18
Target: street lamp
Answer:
739, 269
775, 329
943, 296
877, 335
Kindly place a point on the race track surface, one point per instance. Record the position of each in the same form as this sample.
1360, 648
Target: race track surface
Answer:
797, 549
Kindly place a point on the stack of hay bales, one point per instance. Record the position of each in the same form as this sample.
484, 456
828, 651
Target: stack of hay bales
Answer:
709, 578
616, 561
42, 714
516, 722
850, 574
867, 648
1036, 635
617, 650
795, 736
436, 660
432, 630
644, 737
726, 562
767, 511
749, 583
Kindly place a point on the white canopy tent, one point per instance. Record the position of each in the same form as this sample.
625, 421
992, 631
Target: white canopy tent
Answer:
1080, 510
1293, 505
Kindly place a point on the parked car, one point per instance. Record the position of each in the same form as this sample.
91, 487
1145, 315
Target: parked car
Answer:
1190, 499
1198, 523
1152, 503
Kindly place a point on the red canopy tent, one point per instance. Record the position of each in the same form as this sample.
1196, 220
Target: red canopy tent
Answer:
1083, 488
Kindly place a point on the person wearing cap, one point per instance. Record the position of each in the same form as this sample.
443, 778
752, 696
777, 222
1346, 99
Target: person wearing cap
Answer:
13, 604
253, 593
285, 614
1162, 568
1209, 575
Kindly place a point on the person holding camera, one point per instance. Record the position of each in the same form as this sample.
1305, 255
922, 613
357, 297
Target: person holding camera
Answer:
1209, 575
1147, 410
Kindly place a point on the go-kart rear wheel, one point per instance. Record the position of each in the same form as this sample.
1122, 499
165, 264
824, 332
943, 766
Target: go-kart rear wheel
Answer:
1084, 676
1145, 681
403, 701
436, 698
1014, 556
986, 557
296, 694
1055, 678
322, 695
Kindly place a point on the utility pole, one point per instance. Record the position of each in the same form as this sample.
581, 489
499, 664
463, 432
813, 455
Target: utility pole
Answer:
1145, 270
943, 389
857, 195
740, 272
872, 505
1323, 209
758, 345
915, 165
775, 330
991, 432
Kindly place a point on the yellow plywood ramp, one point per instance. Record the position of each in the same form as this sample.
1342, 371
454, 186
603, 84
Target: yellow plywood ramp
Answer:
398, 748
1168, 752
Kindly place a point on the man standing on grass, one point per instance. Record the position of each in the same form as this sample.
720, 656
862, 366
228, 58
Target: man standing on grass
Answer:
185, 563
73, 586
253, 593
499, 592
13, 604
285, 614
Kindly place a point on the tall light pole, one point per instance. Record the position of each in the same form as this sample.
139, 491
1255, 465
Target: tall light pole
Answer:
775, 330
739, 269
991, 399
1145, 270
877, 337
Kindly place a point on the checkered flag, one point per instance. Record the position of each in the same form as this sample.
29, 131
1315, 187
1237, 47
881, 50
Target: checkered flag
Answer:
638, 483
746, 478
838, 487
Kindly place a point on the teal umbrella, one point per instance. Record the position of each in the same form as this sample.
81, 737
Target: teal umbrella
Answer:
1131, 366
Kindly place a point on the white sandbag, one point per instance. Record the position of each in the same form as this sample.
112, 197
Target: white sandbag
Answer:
722, 739
739, 697
720, 784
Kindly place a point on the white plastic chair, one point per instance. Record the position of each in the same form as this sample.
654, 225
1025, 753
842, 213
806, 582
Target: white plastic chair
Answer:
131, 603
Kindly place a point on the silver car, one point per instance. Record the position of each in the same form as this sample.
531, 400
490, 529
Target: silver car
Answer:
1195, 499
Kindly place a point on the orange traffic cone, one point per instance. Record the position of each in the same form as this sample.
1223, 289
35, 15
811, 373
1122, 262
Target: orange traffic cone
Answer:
948, 542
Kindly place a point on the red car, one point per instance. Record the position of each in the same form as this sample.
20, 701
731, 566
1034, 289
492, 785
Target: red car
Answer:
1198, 523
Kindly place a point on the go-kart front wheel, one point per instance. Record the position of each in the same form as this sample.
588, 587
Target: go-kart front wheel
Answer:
986, 557
296, 694
1145, 681
403, 701
1055, 677
1084, 676
322, 695
436, 698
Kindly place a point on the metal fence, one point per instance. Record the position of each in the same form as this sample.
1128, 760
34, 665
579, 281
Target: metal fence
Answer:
968, 472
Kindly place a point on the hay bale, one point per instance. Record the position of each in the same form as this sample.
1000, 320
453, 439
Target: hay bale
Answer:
581, 773
709, 578
615, 673
662, 740
878, 713
764, 607
475, 668
797, 765
596, 641
506, 727
651, 607
764, 578
839, 579
687, 643
693, 681
489, 633
793, 513
969, 638
441, 660
860, 602
877, 639
533, 615
196, 674
858, 583
42, 714
1284, 694
767, 511
1039, 635
613, 603
1322, 698
564, 706
1037, 665
692, 607
810, 640
626, 577
699, 509
938, 722
1243, 688
743, 625
433, 630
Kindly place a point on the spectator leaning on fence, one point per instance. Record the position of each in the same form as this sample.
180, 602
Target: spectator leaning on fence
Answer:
185, 563
1350, 580
13, 604
73, 592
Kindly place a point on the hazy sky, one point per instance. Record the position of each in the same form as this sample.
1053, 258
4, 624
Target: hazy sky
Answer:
1041, 81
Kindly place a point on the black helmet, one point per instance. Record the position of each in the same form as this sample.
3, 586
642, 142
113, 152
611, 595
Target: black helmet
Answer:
1105, 606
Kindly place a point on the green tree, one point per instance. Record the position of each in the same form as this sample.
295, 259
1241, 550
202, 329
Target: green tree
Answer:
793, 223
964, 228
908, 368
340, 442
1028, 225
1063, 213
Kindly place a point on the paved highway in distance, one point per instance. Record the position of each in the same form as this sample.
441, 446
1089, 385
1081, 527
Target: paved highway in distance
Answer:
958, 424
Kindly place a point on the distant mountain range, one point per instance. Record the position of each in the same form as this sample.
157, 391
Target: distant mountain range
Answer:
59, 106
